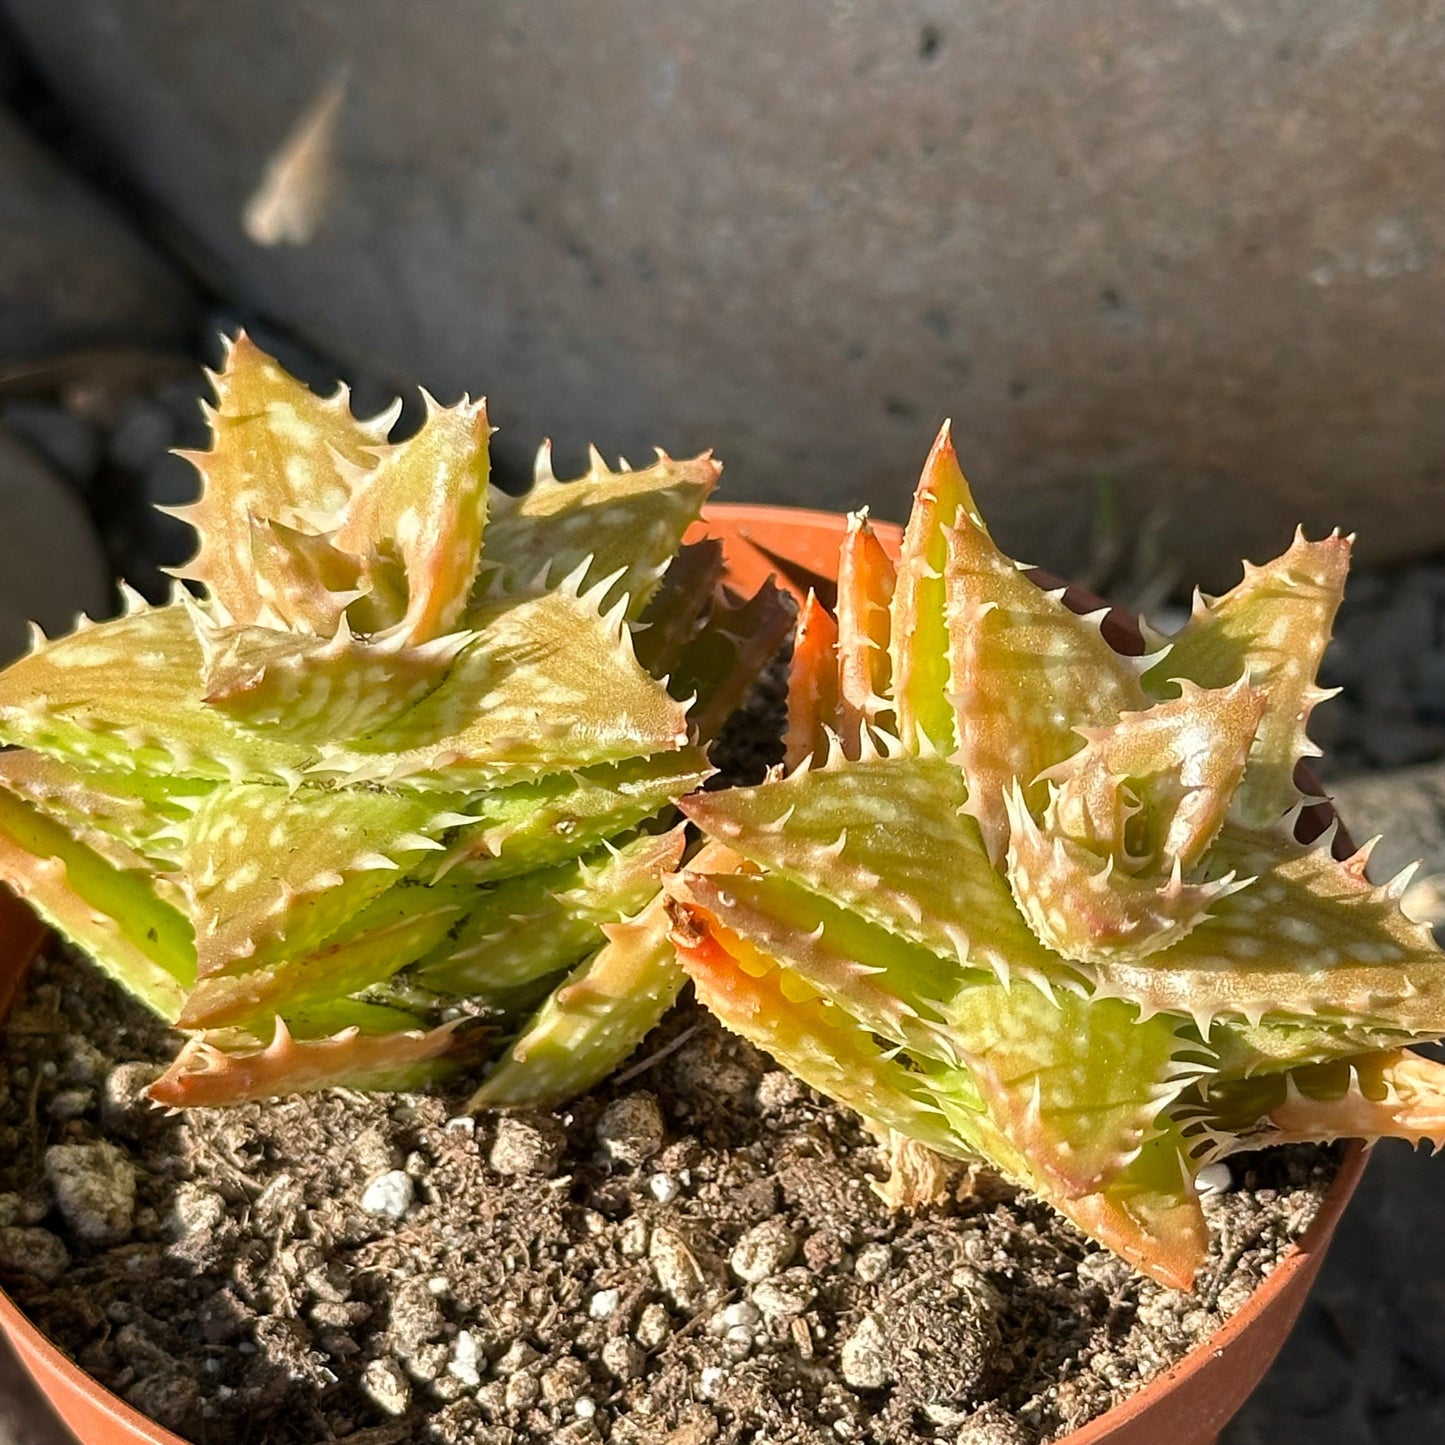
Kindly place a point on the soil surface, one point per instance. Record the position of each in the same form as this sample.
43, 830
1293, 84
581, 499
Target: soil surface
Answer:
693, 1254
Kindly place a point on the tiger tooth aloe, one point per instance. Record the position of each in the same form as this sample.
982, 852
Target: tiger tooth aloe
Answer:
1020, 898
356, 812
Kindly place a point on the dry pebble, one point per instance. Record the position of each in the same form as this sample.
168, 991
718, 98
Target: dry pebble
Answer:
864, 1358
763, 1250
389, 1195
94, 1187
34, 1252
787, 1294
686, 1272
630, 1129
387, 1387
527, 1145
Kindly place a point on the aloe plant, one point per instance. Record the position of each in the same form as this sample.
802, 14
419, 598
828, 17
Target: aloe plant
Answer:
390, 787
1020, 898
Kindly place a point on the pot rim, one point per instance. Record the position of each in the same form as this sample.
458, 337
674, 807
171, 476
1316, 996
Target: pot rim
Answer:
64, 1381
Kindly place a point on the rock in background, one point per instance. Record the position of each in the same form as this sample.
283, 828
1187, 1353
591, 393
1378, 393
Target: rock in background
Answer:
72, 272
1183, 255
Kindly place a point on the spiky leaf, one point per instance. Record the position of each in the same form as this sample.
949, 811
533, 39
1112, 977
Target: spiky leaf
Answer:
1273, 628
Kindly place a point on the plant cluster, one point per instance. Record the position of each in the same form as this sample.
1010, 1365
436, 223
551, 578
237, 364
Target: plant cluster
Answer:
1018, 897
392, 795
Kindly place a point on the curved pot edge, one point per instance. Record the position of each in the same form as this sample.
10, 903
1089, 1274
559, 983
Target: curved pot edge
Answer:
1166, 1407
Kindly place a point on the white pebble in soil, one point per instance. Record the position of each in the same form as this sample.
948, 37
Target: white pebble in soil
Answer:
387, 1387
864, 1356
664, 1188
603, 1304
389, 1195
1214, 1178
467, 1360
763, 1250
94, 1188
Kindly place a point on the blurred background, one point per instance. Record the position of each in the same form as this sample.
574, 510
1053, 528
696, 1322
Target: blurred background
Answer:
1176, 268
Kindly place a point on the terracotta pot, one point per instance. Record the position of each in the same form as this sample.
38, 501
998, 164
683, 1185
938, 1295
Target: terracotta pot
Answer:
1187, 1405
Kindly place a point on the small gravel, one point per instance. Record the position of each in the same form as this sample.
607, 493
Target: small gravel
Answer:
630, 1129
529, 1144
94, 1187
389, 1195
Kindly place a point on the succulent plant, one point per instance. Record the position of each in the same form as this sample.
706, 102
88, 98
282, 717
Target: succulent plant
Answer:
1018, 897
394, 788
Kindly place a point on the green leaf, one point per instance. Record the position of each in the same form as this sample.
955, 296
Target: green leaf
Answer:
593, 1021
110, 913
406, 923
270, 873
126, 696
1026, 672
918, 631
544, 921
563, 815
548, 685
320, 689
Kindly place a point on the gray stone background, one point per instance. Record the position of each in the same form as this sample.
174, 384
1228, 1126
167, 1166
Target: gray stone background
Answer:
1175, 267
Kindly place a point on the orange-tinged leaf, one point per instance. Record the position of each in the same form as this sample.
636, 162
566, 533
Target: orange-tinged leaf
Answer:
1154, 787
1272, 628
278, 452
808, 1036
204, 1076
1149, 1214
1389, 1094
888, 986
676, 611
720, 664
1089, 910
865, 589
812, 685
1026, 672
302, 580
425, 504
1309, 939
623, 525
